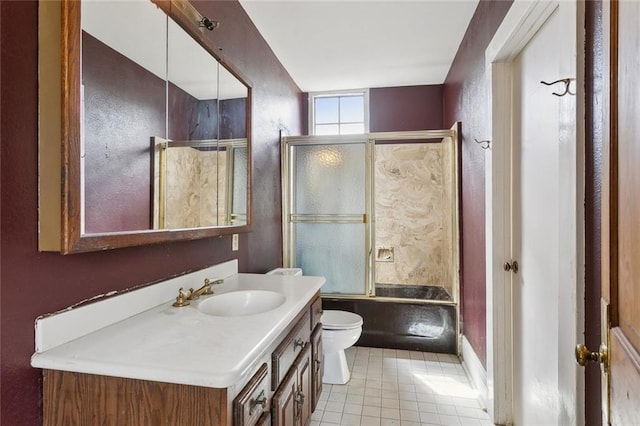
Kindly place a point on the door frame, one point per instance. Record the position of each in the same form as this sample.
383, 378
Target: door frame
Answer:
519, 26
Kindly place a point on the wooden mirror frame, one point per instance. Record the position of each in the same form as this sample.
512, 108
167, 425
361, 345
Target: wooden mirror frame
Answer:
71, 238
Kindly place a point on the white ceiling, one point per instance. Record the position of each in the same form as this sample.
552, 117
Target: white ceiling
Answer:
351, 44
144, 35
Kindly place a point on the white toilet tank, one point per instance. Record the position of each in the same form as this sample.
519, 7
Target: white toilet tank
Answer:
285, 271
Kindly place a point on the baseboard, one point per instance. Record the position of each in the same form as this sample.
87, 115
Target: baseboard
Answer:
475, 370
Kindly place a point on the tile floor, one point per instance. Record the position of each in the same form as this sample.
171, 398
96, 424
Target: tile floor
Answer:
397, 387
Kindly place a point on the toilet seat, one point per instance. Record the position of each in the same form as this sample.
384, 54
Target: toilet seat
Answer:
340, 320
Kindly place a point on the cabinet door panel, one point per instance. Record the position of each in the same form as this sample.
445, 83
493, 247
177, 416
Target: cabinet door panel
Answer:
318, 365
284, 401
253, 400
264, 420
305, 389
290, 348
316, 312
80, 399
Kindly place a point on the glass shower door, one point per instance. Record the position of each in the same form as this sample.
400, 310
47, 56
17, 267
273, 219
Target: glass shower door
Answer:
327, 227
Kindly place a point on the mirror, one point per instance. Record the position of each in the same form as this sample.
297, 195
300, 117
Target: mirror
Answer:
197, 170
155, 128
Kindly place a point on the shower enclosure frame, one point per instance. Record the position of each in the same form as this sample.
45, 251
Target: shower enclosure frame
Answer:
289, 219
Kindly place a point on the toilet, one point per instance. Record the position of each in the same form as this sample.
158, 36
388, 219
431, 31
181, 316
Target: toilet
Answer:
340, 330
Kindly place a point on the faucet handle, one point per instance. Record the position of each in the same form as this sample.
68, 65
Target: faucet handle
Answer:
182, 299
194, 294
205, 290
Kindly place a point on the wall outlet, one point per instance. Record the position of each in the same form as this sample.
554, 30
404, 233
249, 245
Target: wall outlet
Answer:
234, 242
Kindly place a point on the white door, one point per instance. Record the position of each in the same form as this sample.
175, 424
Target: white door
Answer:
545, 229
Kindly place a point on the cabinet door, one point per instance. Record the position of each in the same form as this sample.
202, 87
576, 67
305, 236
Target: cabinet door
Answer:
316, 312
304, 367
264, 420
318, 365
253, 400
289, 350
284, 401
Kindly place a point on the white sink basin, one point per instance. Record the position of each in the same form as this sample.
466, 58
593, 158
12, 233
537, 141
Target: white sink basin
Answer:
241, 303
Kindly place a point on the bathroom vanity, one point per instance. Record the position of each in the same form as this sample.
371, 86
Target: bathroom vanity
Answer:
127, 361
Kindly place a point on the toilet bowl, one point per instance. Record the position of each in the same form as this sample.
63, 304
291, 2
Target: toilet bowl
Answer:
340, 330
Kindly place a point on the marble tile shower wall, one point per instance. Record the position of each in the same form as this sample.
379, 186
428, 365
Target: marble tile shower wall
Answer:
196, 186
413, 213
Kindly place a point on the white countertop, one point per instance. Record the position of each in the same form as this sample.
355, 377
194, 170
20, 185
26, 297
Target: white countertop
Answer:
183, 345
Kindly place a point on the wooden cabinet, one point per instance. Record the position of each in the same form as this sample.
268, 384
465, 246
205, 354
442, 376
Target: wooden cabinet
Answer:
296, 373
282, 388
86, 399
298, 392
253, 401
292, 401
285, 400
287, 352
264, 420
317, 359
305, 389
316, 312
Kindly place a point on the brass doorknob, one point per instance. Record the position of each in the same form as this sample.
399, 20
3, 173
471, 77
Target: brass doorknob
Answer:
584, 355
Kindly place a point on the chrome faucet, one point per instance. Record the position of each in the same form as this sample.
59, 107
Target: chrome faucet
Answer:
184, 297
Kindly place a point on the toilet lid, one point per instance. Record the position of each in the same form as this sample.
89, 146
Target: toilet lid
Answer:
339, 320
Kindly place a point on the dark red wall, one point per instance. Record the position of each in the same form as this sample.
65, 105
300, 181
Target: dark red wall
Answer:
190, 118
118, 158
395, 109
233, 113
33, 283
466, 100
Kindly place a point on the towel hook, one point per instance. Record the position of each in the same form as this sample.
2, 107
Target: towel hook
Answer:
486, 144
566, 81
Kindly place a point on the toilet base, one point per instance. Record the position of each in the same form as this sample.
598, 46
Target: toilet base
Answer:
336, 371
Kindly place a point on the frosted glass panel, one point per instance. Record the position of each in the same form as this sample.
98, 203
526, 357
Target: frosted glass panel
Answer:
334, 251
330, 179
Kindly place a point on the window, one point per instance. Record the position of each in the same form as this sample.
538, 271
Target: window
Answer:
339, 113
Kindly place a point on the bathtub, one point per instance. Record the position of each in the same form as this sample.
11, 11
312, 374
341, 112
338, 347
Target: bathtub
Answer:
392, 322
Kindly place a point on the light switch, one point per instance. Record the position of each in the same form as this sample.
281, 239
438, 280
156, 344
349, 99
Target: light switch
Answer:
234, 242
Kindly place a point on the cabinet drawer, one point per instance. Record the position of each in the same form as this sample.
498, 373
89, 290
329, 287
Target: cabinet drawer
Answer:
253, 401
316, 312
287, 351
